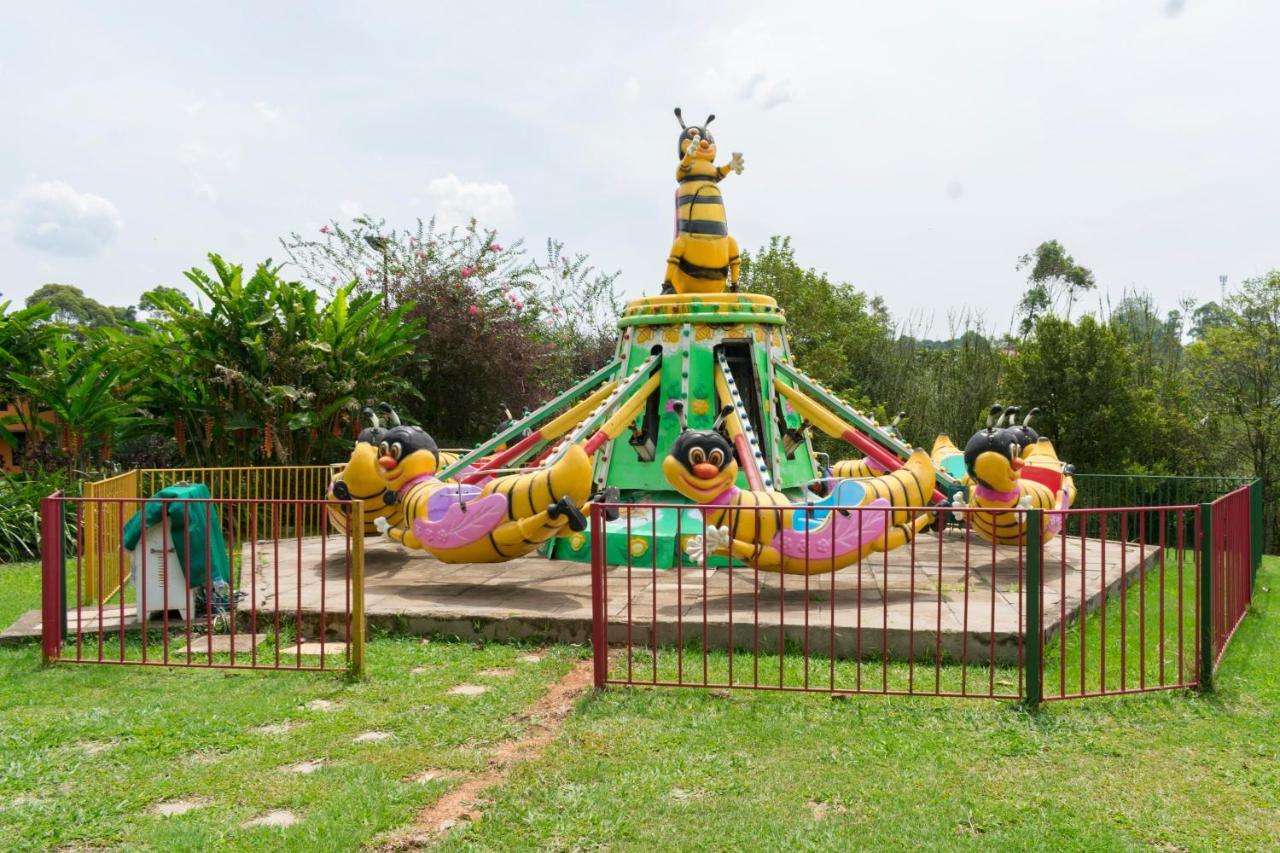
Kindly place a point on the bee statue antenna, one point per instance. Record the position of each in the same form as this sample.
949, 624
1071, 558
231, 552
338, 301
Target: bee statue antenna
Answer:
1035, 410
369, 414
995, 409
710, 119
392, 417
723, 413
677, 406
680, 119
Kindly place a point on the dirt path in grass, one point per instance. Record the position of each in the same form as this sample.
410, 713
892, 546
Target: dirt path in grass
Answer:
466, 801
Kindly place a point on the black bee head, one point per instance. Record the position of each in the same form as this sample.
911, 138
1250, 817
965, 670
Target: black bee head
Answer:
689, 132
407, 452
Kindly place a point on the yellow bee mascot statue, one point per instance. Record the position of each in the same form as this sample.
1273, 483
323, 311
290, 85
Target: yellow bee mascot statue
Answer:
703, 255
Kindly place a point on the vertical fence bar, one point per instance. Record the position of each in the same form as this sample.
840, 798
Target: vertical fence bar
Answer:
357, 590
1034, 642
1206, 597
1256, 529
599, 628
52, 578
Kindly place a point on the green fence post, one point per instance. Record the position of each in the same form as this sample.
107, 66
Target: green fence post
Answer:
1206, 597
1034, 640
1256, 529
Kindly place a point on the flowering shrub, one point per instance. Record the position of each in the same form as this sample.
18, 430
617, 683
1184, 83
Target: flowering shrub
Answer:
500, 330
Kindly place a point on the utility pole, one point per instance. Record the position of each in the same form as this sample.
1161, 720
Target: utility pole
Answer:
381, 244
1222, 290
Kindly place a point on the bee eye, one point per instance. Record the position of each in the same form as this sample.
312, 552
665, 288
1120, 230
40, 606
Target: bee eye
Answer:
716, 457
697, 456
1013, 449
383, 449
396, 450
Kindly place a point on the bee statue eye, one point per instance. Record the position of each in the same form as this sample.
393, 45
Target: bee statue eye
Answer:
396, 450
716, 457
697, 456
383, 449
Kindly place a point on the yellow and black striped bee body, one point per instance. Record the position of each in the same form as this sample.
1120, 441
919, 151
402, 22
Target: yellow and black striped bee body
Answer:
703, 255
507, 517
757, 526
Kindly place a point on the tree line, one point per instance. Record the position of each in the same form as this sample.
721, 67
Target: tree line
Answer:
272, 365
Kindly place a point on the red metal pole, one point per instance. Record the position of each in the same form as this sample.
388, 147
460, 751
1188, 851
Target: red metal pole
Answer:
51, 579
599, 612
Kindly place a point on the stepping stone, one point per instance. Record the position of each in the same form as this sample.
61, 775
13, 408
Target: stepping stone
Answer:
331, 649
418, 670
321, 705
205, 757
426, 776
305, 767
498, 672
280, 817
272, 729
468, 690
371, 737
221, 644
531, 658
93, 747
170, 808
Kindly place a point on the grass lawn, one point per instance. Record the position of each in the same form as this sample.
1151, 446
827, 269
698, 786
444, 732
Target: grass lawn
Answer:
88, 751
641, 768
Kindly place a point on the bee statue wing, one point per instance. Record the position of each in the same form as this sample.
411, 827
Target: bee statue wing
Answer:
462, 522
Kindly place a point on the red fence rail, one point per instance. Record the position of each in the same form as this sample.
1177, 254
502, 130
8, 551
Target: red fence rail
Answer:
1103, 602
214, 583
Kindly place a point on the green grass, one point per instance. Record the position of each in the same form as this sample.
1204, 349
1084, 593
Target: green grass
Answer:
87, 750
640, 768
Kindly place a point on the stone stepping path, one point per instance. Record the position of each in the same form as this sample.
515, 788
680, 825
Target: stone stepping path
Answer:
305, 768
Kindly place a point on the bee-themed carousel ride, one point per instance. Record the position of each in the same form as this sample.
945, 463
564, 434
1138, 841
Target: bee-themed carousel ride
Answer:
703, 411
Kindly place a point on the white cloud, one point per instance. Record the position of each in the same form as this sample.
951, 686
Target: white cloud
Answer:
765, 92
632, 86
53, 217
457, 200
350, 209
267, 113
191, 107
205, 162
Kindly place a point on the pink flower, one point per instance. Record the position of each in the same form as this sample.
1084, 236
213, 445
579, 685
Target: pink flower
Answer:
467, 271
494, 247
325, 229
422, 255
473, 310
519, 305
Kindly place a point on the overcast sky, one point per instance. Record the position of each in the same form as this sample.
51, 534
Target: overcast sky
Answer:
913, 149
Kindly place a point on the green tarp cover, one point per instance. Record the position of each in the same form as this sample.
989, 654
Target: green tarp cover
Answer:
191, 519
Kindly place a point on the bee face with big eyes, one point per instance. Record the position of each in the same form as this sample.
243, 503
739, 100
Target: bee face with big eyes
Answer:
405, 453
700, 465
703, 143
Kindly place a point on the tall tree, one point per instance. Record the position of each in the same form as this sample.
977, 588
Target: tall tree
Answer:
1052, 275
72, 307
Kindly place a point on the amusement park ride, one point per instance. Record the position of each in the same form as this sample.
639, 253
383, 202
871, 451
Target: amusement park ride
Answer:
703, 412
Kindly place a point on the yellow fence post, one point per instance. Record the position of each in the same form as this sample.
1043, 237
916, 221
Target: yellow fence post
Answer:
357, 589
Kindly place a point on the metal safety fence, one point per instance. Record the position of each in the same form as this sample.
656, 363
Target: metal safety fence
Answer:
230, 583
1078, 603
248, 486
